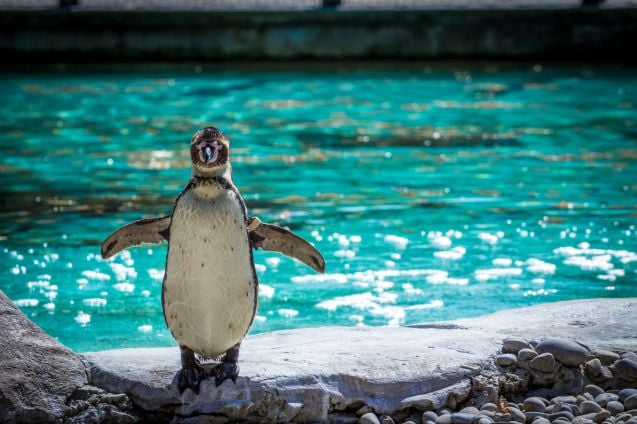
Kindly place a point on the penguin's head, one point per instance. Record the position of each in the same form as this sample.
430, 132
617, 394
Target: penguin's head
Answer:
209, 152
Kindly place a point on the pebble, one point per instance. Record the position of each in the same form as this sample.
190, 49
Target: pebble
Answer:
589, 396
593, 390
517, 415
626, 369
544, 362
593, 367
626, 393
369, 418
604, 398
462, 418
564, 399
534, 404
470, 410
487, 414
526, 354
565, 351
506, 359
386, 419
485, 420
444, 419
581, 420
630, 402
560, 421
489, 407
606, 356
532, 415
615, 407
601, 416
541, 420
500, 417
587, 407
429, 416
515, 344
562, 414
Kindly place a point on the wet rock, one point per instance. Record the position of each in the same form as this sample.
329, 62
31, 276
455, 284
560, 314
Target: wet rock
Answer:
462, 418
517, 415
601, 416
502, 417
487, 414
470, 410
534, 404
630, 402
386, 419
506, 360
526, 355
489, 407
561, 414
443, 419
581, 420
429, 416
593, 390
615, 407
565, 351
593, 367
605, 356
544, 362
625, 368
531, 415
541, 420
485, 420
626, 393
514, 345
587, 407
604, 398
369, 418
564, 399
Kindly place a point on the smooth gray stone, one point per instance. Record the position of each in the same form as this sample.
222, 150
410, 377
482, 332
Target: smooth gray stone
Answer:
429, 416
565, 407
593, 367
386, 419
565, 351
626, 369
428, 422
534, 404
593, 390
589, 396
588, 406
540, 420
581, 420
532, 415
602, 416
489, 407
470, 410
560, 420
623, 417
462, 418
630, 402
626, 393
488, 414
607, 357
526, 354
615, 407
506, 359
633, 420
37, 373
544, 362
561, 414
564, 399
485, 420
502, 417
369, 418
604, 398
517, 415
443, 419
514, 345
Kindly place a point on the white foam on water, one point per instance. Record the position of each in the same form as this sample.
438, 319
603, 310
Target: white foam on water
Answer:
540, 292
94, 302
453, 254
266, 291
439, 240
429, 305
355, 239
123, 272
145, 328
410, 290
538, 266
442, 277
81, 281
145, 293
82, 318
260, 268
50, 306
26, 303
156, 274
395, 256
288, 313
596, 263
260, 318
124, 287
488, 237
96, 275
495, 273
273, 262
344, 253
538, 281
503, 262
397, 241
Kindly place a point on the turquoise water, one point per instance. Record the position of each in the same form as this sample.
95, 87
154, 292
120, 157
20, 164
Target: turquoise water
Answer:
433, 193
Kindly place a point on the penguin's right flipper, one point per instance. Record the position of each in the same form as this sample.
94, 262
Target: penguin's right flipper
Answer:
152, 230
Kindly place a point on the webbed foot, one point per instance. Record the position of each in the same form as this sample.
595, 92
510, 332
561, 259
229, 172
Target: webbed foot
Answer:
190, 378
225, 370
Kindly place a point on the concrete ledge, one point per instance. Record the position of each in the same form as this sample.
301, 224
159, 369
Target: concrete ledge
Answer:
311, 375
90, 34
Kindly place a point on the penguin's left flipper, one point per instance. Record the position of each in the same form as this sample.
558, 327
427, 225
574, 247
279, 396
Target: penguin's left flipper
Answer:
152, 230
277, 239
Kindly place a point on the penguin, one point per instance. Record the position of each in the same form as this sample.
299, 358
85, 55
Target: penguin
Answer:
210, 286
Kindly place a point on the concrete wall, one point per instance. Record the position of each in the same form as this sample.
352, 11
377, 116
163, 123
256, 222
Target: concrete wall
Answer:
584, 34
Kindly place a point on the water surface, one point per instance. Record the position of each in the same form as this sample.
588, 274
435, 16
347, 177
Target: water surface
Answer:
433, 193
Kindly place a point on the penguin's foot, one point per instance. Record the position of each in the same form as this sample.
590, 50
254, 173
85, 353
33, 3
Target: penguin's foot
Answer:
190, 378
225, 370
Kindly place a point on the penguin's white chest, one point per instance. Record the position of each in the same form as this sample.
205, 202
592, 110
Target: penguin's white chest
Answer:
209, 288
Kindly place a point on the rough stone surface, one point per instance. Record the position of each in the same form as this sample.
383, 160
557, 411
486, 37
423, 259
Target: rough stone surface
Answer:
565, 351
37, 373
514, 344
544, 362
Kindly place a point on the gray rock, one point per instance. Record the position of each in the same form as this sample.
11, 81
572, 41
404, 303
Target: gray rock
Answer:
502, 417
560, 420
565, 351
593, 367
607, 357
37, 373
633, 420
485, 420
488, 414
409, 422
489, 407
602, 416
593, 390
587, 407
581, 420
515, 344
626, 369
532, 415
564, 399
429, 416
565, 407
506, 360
561, 414
615, 407
369, 418
604, 398
626, 393
470, 410
544, 362
540, 420
623, 417
444, 419
630, 402
517, 415
462, 418
534, 404
526, 355
386, 419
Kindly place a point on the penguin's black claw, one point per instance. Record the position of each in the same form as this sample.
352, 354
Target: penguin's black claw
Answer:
224, 371
190, 378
